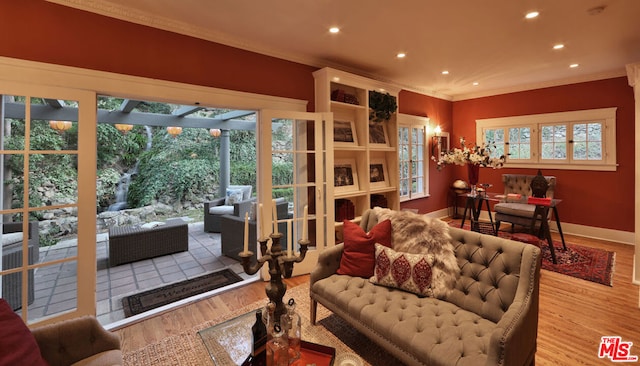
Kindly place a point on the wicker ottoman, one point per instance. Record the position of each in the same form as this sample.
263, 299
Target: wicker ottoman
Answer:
134, 243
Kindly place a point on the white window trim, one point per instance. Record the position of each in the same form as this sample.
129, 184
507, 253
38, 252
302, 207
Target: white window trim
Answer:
410, 121
608, 115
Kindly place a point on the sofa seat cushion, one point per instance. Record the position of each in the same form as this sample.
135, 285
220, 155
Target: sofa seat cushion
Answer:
432, 329
515, 209
111, 357
221, 210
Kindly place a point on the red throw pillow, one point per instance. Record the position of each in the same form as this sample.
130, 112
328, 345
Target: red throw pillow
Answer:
358, 257
17, 344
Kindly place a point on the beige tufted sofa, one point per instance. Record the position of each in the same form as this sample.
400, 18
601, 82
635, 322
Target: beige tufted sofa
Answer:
491, 317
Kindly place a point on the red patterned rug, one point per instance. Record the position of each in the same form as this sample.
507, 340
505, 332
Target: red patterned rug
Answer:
591, 264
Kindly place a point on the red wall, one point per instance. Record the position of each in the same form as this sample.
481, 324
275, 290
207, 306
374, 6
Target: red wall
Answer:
591, 198
440, 113
40, 31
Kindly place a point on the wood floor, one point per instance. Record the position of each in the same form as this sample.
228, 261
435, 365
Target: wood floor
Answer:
574, 314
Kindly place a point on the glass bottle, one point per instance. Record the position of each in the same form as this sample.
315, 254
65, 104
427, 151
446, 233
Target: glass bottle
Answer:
278, 348
258, 356
291, 325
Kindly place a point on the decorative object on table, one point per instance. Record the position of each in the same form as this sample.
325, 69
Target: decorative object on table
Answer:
280, 262
381, 106
258, 355
473, 158
292, 326
348, 359
539, 185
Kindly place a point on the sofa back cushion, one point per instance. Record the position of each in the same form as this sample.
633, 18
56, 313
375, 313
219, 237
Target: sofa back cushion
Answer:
246, 191
489, 272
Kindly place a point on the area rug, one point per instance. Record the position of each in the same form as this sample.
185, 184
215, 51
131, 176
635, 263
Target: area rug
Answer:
151, 299
186, 348
591, 264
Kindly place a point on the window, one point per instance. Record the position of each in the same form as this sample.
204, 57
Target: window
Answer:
412, 156
566, 140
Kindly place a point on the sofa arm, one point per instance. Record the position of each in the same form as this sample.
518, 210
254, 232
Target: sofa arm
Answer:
72, 340
513, 341
215, 202
328, 263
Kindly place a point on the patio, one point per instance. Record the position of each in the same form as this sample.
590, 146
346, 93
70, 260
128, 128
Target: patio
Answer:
55, 289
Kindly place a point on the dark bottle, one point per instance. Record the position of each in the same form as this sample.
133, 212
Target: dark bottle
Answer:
258, 356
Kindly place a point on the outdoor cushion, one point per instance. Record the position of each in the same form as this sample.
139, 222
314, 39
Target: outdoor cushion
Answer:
11, 238
233, 196
221, 210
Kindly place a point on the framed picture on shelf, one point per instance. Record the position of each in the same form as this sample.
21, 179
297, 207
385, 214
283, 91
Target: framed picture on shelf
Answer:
378, 173
378, 134
344, 133
345, 175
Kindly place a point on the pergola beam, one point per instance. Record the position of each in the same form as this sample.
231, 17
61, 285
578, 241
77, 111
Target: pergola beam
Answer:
186, 110
128, 105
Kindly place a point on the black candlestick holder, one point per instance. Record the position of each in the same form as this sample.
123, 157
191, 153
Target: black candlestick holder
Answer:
280, 264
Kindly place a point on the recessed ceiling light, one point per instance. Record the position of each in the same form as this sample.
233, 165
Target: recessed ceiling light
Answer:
475, 83
558, 46
532, 14
401, 55
334, 30
445, 72
573, 66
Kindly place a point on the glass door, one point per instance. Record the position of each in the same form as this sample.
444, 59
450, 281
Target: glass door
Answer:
47, 169
292, 181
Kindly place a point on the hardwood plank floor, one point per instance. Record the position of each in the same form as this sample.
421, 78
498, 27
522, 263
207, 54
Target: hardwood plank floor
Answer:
574, 314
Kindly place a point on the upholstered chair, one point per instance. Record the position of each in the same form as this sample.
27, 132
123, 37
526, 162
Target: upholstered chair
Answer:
517, 211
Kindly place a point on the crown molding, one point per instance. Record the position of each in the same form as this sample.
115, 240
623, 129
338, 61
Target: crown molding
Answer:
543, 84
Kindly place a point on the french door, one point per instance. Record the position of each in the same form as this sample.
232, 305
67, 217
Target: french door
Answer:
47, 170
293, 155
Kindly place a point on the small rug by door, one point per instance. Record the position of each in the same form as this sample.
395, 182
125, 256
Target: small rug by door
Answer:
147, 300
591, 264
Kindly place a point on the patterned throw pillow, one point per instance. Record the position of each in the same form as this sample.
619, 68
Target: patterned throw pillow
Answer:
409, 272
233, 196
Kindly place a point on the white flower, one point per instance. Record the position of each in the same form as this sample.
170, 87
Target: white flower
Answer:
478, 155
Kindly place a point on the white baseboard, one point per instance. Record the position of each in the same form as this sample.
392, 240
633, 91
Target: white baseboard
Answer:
616, 236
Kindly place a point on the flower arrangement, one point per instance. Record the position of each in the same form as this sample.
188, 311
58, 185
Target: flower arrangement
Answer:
477, 155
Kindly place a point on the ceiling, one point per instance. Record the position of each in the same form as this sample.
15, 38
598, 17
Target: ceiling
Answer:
485, 42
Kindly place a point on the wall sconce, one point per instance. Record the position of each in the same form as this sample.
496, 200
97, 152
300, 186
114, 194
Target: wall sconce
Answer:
436, 142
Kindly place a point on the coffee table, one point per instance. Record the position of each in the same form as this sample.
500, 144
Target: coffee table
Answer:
229, 343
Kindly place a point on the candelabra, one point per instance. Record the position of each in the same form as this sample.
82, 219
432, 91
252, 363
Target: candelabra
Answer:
280, 264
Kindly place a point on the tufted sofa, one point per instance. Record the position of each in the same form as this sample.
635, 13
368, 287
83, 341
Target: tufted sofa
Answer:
519, 213
490, 318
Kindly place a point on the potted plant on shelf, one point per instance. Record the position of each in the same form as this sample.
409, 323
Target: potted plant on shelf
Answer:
381, 106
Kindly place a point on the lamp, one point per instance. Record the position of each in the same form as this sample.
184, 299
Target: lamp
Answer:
60, 126
215, 132
123, 128
174, 131
436, 141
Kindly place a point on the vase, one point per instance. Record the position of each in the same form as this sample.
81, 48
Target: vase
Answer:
473, 171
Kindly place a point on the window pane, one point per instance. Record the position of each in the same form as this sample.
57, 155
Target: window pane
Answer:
595, 151
554, 142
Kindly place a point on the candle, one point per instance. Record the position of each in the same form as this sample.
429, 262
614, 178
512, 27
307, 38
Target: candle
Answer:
305, 235
275, 216
289, 238
246, 232
262, 220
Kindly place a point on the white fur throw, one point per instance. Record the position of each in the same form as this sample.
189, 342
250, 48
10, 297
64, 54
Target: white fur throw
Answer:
418, 234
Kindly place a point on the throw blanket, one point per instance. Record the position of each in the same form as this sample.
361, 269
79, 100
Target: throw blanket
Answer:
418, 234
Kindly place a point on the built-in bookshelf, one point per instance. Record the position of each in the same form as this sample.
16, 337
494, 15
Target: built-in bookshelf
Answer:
363, 153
